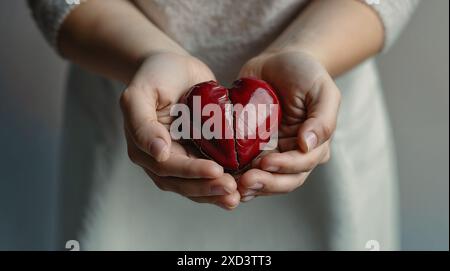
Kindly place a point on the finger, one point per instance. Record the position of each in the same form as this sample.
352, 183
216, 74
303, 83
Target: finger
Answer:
177, 165
139, 110
248, 197
256, 162
224, 185
260, 182
227, 202
294, 161
323, 106
182, 166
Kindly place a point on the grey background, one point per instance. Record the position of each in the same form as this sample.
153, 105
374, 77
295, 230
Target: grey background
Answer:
415, 77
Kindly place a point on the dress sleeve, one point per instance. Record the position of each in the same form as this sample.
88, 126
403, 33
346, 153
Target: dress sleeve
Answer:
394, 15
50, 14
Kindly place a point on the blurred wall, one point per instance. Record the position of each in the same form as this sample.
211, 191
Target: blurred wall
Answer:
31, 84
415, 77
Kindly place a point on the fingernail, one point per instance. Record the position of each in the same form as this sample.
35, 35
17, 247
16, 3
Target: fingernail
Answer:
250, 192
272, 168
217, 191
256, 186
247, 198
157, 148
311, 140
226, 207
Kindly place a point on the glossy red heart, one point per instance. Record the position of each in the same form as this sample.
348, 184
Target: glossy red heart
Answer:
243, 132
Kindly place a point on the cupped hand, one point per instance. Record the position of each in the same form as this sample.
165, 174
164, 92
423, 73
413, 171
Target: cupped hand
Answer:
158, 84
310, 103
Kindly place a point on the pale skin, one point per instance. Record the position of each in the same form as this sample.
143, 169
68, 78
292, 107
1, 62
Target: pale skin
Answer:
116, 40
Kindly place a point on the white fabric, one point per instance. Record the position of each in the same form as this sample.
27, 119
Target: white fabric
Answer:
111, 204
50, 14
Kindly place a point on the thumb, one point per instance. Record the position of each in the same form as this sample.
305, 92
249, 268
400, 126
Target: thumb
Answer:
322, 105
141, 121
252, 68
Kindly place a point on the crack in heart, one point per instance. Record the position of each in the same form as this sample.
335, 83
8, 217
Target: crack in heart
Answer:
236, 153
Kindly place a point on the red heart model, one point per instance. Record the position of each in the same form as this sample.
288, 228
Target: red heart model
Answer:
242, 133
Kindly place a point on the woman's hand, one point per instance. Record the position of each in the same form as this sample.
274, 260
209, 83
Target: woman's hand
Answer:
159, 83
310, 102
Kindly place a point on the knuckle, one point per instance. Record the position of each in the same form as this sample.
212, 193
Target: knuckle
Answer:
233, 185
138, 136
298, 182
301, 181
124, 99
327, 157
327, 130
310, 164
230, 185
248, 178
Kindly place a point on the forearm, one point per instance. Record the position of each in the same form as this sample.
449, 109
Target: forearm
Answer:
111, 38
339, 33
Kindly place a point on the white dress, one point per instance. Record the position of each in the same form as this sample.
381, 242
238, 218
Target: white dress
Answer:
107, 203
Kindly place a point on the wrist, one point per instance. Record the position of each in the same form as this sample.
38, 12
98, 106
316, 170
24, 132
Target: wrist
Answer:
291, 53
307, 51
